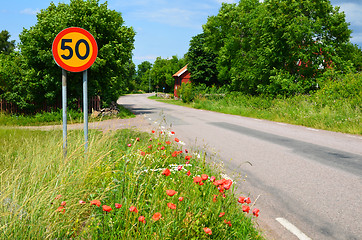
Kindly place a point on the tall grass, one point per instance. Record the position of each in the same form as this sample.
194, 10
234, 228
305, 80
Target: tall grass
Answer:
40, 191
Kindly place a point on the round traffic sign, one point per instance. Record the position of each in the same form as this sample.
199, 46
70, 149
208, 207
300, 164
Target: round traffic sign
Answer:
74, 49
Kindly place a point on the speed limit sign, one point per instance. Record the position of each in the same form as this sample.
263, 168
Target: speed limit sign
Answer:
74, 49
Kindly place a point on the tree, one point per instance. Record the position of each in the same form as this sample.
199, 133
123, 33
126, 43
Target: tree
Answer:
112, 71
143, 75
6, 46
201, 62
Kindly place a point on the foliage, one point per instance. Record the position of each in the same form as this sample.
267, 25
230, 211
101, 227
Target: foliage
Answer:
162, 71
6, 46
271, 46
187, 92
110, 74
143, 75
46, 196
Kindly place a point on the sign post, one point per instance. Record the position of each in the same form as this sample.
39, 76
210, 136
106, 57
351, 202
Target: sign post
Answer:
75, 50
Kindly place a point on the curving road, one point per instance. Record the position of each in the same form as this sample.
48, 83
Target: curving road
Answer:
309, 182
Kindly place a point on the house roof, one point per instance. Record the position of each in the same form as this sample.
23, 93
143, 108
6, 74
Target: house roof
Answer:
180, 72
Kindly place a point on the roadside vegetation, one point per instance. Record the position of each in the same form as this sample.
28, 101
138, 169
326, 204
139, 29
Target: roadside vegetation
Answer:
55, 118
335, 107
129, 185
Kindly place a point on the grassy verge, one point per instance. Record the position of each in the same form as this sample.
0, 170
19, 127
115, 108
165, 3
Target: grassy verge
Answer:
54, 118
46, 197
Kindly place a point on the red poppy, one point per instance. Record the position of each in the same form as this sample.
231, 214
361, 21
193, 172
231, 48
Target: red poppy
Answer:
133, 209
179, 168
241, 199
162, 148
186, 151
61, 209
256, 212
172, 132
181, 199
106, 208
117, 205
170, 192
204, 177
156, 216
227, 222
142, 219
161, 132
201, 183
81, 202
174, 154
197, 179
214, 199
58, 196
168, 142
207, 230
177, 140
137, 139
150, 147
187, 157
166, 172
153, 131
247, 200
218, 182
143, 153
171, 205
129, 145
246, 208
150, 139
222, 214
63, 204
96, 202
227, 184
188, 173
188, 162
212, 179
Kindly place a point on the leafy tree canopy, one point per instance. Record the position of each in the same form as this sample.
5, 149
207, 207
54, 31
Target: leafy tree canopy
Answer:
6, 46
110, 74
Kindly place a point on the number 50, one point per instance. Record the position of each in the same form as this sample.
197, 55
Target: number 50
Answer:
70, 55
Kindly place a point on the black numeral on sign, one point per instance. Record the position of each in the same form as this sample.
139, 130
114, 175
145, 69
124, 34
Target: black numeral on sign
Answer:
70, 55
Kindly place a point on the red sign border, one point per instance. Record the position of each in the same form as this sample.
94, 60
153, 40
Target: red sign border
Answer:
59, 61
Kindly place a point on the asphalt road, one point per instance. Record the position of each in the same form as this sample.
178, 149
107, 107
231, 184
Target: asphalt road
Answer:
303, 178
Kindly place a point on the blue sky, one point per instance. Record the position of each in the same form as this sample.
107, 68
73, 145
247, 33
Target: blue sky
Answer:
164, 28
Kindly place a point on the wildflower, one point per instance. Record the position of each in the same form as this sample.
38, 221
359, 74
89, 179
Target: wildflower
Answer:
137, 139
256, 212
81, 202
204, 177
133, 209
96, 202
161, 132
214, 198
58, 196
171, 205
150, 139
197, 179
207, 231
241, 199
156, 216
172, 132
129, 145
150, 147
179, 168
166, 172
222, 214
188, 162
106, 208
227, 222
143, 153
212, 179
187, 157
186, 151
162, 148
218, 182
188, 173
61, 209
201, 183
177, 140
117, 205
153, 131
181, 199
174, 154
170, 192
246, 208
247, 200
227, 184
142, 219
63, 204
168, 142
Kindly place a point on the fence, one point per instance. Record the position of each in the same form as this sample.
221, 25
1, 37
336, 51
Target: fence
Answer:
93, 104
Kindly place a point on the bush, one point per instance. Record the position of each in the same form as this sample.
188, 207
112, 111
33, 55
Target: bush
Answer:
187, 92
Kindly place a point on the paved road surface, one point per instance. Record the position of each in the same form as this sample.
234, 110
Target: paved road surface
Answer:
309, 178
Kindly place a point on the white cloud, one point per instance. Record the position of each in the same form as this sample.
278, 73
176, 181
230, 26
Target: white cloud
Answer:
226, 1
145, 58
30, 11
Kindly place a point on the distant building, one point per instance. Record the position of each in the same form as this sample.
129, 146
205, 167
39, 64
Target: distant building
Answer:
182, 76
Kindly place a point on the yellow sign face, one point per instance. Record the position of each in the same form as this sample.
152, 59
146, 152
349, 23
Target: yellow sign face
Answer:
74, 49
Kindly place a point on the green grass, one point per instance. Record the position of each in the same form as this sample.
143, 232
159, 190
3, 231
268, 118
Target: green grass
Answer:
33, 173
54, 118
340, 115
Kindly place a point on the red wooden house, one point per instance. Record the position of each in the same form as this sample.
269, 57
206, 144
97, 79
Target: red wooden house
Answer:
182, 76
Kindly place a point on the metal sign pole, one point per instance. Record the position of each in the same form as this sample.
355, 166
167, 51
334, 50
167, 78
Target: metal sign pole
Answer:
64, 106
85, 108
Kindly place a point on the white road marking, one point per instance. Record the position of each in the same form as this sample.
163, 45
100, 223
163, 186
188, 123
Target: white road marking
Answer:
293, 229
257, 120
